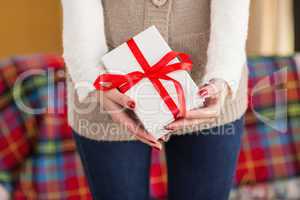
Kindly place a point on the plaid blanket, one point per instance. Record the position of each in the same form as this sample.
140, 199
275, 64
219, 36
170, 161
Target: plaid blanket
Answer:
271, 145
38, 158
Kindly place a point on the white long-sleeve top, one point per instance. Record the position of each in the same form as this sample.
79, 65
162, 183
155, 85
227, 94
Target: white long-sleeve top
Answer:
84, 42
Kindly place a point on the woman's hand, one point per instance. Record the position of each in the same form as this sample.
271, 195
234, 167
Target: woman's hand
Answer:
114, 102
214, 93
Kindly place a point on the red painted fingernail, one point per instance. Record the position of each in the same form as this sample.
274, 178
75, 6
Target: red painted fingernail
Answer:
203, 92
169, 128
131, 104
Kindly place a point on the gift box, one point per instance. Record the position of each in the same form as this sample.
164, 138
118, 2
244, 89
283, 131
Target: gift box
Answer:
155, 77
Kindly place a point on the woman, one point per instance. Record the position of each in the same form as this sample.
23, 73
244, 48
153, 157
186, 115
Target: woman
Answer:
201, 161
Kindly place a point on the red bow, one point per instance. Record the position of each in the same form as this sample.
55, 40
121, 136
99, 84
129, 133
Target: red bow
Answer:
158, 71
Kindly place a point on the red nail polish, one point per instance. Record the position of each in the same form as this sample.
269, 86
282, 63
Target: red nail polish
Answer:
169, 128
131, 104
203, 92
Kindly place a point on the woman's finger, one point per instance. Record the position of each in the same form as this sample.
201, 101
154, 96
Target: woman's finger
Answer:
208, 90
140, 133
165, 138
202, 113
144, 136
210, 111
157, 145
182, 123
131, 125
120, 98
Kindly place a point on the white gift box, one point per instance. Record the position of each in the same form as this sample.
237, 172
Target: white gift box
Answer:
150, 107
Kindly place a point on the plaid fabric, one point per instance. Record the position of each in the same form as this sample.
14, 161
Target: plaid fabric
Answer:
287, 189
38, 158
37, 153
158, 174
271, 145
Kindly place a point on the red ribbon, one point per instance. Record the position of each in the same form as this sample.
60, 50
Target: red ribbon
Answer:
158, 71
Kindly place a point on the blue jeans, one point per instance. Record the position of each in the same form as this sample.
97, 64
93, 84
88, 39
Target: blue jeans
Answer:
200, 166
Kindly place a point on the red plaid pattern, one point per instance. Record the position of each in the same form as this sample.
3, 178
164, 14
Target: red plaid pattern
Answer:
38, 158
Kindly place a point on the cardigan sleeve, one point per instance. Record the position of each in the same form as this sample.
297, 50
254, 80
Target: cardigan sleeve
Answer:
226, 54
84, 42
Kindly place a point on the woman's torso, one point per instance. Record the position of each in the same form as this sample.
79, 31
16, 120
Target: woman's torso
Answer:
184, 24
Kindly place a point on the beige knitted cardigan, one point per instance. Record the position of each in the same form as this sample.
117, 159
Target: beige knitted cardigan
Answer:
185, 25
